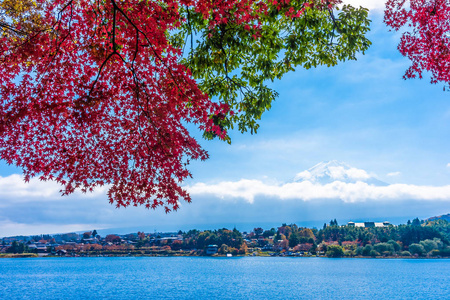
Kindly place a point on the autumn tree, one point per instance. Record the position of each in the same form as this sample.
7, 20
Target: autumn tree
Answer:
176, 245
243, 249
425, 38
101, 92
96, 247
141, 235
284, 244
87, 235
112, 238
306, 232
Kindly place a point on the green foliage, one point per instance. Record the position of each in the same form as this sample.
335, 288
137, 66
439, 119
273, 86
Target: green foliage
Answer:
279, 237
235, 63
445, 251
416, 222
415, 234
334, 251
405, 253
405, 234
442, 226
417, 249
384, 247
294, 239
334, 223
395, 245
365, 241
359, 251
16, 247
223, 249
429, 245
348, 253
435, 252
367, 250
258, 231
270, 232
200, 240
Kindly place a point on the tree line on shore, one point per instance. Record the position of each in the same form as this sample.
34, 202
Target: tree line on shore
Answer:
417, 238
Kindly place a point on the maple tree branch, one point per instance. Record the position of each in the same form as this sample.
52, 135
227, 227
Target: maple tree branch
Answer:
131, 68
114, 48
9, 27
114, 29
151, 46
190, 30
333, 18
146, 113
99, 72
58, 47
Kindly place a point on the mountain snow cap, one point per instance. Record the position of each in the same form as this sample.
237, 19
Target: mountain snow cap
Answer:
330, 171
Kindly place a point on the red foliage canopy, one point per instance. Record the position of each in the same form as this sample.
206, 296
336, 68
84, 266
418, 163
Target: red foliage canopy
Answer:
93, 92
426, 41
95, 95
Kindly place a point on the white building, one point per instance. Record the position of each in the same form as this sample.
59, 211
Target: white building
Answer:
368, 224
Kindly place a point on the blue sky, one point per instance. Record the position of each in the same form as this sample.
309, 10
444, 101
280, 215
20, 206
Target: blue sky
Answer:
360, 112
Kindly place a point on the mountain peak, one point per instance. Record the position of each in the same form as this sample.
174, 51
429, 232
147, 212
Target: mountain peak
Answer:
330, 171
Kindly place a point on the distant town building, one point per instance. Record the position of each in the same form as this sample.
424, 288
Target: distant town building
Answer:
211, 249
368, 224
61, 252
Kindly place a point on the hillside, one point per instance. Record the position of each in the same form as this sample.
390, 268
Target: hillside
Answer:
443, 217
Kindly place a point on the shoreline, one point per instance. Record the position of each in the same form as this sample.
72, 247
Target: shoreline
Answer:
34, 255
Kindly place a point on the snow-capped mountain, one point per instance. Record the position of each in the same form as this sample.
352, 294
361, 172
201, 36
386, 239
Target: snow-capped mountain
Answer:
330, 171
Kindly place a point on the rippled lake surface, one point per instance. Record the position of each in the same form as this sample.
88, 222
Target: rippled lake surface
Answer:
223, 278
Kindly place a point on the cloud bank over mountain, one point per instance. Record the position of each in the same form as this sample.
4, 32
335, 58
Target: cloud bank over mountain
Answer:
332, 171
326, 180
308, 191
326, 191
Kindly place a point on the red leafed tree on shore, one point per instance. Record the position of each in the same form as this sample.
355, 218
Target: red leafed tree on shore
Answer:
426, 41
97, 92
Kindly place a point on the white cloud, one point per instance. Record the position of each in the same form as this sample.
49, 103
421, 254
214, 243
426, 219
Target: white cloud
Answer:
13, 186
305, 175
10, 228
333, 172
243, 188
392, 174
370, 4
448, 165
340, 172
225, 203
307, 191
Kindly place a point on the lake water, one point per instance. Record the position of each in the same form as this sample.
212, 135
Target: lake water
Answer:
223, 278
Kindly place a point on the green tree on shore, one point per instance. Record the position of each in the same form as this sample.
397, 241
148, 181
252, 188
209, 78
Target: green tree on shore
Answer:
335, 251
